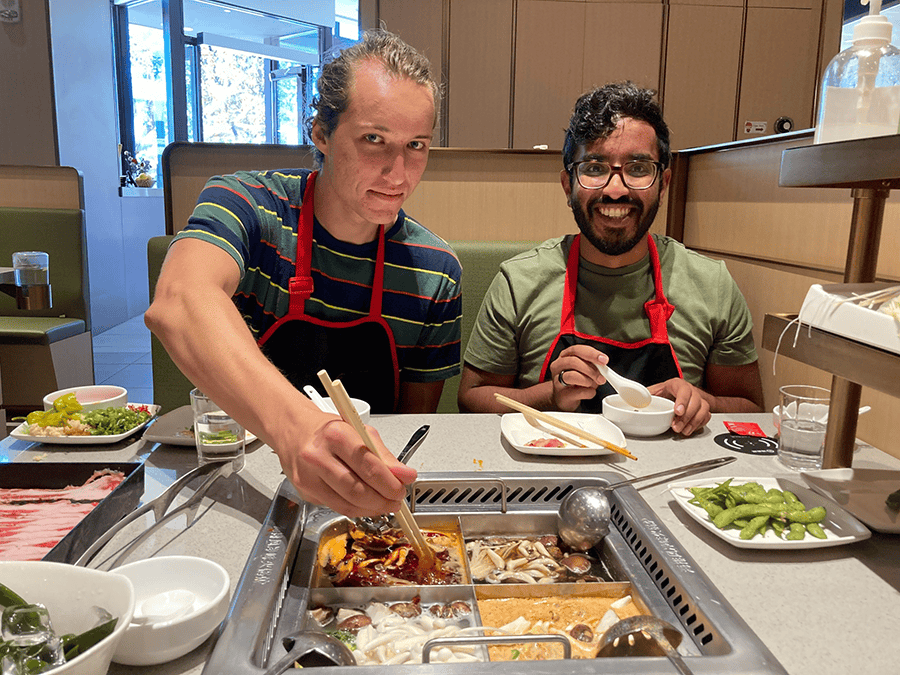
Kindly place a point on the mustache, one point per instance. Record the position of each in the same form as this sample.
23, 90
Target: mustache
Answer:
621, 201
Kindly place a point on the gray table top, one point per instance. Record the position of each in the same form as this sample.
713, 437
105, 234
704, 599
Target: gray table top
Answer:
826, 610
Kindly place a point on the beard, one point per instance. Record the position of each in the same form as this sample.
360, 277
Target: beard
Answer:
618, 241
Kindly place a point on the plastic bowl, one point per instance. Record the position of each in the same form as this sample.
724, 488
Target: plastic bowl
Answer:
653, 420
92, 396
69, 593
168, 622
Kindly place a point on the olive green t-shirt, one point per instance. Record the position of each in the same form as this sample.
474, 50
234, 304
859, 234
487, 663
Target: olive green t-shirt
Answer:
520, 316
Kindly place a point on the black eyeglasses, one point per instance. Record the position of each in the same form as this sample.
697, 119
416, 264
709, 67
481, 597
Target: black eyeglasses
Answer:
595, 175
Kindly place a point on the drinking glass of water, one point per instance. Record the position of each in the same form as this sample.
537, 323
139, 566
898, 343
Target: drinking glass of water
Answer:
218, 437
804, 417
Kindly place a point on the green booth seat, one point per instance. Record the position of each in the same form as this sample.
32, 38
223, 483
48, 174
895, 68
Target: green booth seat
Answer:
45, 350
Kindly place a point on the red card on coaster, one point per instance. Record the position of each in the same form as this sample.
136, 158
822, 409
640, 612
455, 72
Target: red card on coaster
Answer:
745, 429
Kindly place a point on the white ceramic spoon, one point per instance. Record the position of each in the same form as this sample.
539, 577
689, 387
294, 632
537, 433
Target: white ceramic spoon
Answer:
633, 393
165, 606
321, 402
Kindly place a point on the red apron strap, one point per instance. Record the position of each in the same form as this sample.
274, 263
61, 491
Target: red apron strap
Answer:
658, 309
567, 319
378, 280
300, 285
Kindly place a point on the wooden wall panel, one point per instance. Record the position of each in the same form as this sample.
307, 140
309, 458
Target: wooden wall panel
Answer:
777, 43
735, 206
702, 60
548, 78
615, 33
480, 73
27, 100
419, 23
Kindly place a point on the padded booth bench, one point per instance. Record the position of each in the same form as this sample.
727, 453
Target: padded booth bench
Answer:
480, 261
44, 350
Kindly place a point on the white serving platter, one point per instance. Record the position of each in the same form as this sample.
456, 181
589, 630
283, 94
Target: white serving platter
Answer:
862, 492
839, 525
19, 432
174, 428
517, 432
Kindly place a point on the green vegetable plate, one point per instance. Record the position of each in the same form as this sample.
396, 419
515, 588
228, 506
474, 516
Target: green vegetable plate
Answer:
21, 432
838, 526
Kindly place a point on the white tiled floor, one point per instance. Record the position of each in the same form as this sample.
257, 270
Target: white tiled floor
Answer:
122, 357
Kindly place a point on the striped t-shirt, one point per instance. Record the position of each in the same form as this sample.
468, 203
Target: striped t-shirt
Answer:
253, 216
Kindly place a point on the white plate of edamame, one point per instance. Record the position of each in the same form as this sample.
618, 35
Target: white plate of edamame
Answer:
837, 527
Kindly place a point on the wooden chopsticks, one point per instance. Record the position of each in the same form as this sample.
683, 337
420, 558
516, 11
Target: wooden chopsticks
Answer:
550, 420
348, 413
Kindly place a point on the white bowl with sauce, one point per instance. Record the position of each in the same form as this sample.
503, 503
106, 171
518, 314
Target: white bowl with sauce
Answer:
179, 602
653, 420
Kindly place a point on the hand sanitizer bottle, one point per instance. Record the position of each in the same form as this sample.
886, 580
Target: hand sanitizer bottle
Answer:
860, 94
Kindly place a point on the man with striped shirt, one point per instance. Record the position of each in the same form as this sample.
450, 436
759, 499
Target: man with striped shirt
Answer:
281, 273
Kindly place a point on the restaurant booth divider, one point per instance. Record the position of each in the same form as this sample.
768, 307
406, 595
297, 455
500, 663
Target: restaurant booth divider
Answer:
42, 208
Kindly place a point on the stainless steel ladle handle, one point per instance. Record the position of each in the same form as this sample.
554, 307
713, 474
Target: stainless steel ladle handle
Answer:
705, 465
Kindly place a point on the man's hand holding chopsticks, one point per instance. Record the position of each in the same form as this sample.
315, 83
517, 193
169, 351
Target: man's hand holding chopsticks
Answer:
335, 469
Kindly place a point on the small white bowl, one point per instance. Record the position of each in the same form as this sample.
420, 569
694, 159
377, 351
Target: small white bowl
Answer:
69, 593
653, 420
92, 397
362, 407
179, 602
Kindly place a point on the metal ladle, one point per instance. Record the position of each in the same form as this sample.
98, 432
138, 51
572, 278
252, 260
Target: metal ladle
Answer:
644, 635
311, 649
583, 518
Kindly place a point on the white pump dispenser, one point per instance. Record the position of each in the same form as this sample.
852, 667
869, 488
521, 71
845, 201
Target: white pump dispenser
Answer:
860, 94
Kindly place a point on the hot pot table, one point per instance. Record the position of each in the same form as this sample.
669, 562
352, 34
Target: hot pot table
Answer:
830, 610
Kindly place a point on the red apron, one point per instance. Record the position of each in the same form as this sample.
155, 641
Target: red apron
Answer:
647, 361
360, 353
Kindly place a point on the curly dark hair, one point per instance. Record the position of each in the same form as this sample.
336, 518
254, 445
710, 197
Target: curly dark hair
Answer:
336, 77
599, 110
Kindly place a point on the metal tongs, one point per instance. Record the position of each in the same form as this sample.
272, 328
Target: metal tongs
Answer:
159, 506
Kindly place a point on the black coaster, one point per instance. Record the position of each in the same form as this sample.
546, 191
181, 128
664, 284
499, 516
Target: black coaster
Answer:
749, 445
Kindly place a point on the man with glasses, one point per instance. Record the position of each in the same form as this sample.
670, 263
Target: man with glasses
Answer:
654, 311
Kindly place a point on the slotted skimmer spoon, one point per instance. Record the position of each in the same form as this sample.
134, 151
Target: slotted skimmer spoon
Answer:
644, 635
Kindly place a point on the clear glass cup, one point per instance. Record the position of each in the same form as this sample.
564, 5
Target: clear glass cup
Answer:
218, 436
804, 418
31, 268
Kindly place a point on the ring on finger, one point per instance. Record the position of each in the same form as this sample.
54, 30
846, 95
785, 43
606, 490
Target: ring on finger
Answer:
560, 379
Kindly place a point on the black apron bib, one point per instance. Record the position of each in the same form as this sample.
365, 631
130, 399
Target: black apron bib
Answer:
360, 353
647, 361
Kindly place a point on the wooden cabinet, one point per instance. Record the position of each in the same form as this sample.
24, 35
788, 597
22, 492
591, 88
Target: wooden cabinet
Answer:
778, 75
478, 89
512, 69
548, 70
565, 48
622, 41
703, 54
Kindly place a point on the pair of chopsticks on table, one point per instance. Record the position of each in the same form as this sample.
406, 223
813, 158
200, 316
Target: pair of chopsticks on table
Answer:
340, 398
540, 420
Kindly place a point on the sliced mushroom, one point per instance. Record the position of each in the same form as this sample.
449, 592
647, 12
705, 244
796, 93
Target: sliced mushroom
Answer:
582, 632
576, 563
406, 609
354, 623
